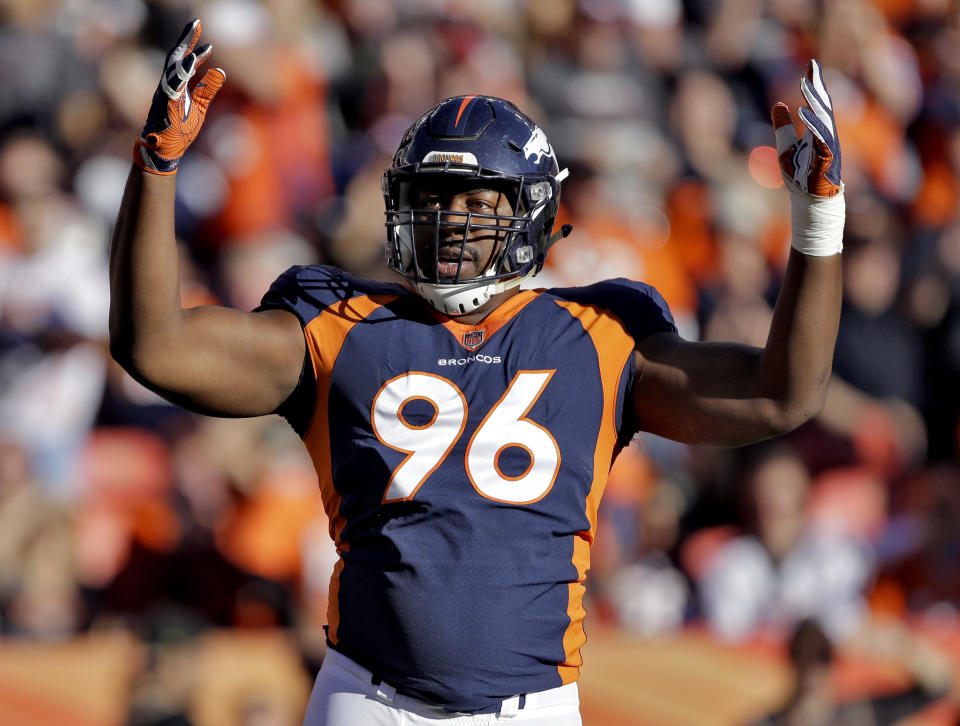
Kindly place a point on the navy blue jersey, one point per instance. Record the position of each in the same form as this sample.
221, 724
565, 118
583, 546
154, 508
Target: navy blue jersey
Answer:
461, 468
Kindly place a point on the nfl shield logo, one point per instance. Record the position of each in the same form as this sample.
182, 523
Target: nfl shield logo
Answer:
473, 339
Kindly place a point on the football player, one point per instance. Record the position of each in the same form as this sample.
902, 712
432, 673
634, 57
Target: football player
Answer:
462, 428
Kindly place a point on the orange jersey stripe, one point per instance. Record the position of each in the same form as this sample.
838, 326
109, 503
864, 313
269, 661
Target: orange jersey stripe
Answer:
325, 335
614, 347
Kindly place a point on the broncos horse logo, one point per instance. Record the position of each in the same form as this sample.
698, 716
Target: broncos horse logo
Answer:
537, 146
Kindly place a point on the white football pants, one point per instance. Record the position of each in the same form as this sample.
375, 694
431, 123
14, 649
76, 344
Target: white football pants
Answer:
345, 695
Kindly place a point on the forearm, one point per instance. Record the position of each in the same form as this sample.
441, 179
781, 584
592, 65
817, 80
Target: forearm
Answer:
746, 394
145, 308
794, 370
212, 360
729, 394
147, 325
209, 359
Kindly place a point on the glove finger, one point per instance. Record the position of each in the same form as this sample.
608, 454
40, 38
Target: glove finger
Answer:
202, 53
817, 106
826, 146
188, 38
783, 127
814, 78
813, 122
186, 69
815, 92
819, 119
204, 92
174, 82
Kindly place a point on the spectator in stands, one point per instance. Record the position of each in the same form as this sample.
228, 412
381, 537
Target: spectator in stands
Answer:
163, 686
780, 570
813, 701
919, 574
648, 592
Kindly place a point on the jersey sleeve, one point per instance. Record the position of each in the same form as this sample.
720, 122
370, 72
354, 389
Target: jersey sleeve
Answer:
642, 311
306, 291
289, 293
638, 306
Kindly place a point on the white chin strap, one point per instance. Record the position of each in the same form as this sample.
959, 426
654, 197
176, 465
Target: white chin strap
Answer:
461, 299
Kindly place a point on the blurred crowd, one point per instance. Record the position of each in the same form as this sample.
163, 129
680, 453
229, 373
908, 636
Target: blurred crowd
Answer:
120, 510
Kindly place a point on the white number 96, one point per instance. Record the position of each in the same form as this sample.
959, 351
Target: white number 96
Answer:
505, 426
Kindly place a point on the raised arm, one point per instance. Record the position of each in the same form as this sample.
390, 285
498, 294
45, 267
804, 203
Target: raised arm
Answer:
212, 360
732, 394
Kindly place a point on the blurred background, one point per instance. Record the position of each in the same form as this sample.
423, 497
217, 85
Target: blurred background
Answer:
158, 567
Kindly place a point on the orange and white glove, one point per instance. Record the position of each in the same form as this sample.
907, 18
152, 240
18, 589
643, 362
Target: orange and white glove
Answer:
176, 113
810, 167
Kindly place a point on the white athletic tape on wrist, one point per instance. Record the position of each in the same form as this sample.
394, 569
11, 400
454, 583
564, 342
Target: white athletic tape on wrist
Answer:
817, 224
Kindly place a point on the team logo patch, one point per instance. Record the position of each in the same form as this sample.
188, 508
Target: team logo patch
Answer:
473, 339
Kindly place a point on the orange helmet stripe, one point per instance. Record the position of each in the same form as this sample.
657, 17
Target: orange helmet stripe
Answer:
463, 105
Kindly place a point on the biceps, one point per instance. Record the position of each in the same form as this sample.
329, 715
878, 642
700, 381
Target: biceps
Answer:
230, 363
701, 393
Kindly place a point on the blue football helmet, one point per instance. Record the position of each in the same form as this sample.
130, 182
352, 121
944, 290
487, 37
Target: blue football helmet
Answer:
471, 142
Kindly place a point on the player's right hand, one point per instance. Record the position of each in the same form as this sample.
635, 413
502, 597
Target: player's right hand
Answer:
177, 113
811, 164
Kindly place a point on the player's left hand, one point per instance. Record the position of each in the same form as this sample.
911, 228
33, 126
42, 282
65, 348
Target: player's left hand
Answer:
811, 164
176, 113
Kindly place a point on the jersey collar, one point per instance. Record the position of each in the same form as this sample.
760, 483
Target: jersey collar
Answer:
471, 337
